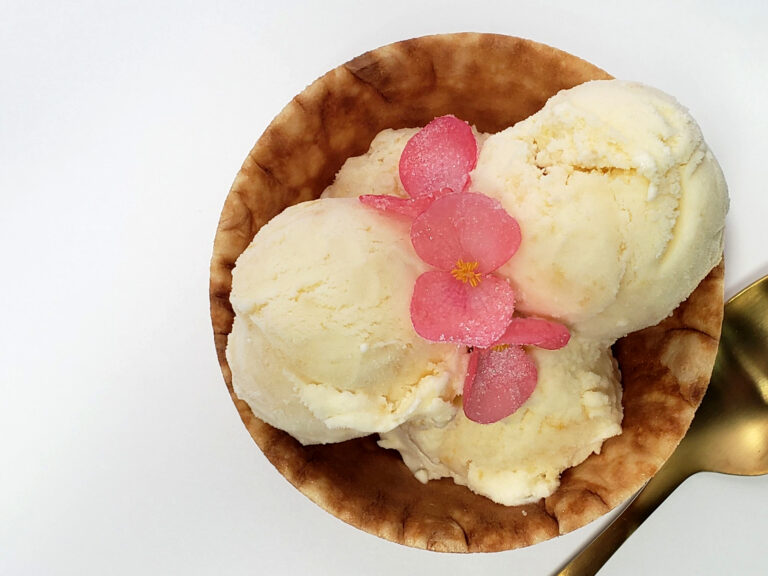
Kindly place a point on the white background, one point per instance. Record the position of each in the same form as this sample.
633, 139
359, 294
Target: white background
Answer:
122, 126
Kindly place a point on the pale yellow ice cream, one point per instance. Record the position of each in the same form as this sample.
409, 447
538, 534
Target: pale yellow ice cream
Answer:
620, 203
621, 207
576, 405
376, 171
322, 345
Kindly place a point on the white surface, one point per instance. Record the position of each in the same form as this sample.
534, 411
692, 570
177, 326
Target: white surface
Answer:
122, 126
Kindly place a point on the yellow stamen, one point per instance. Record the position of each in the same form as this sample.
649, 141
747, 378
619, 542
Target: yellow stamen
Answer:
499, 347
465, 272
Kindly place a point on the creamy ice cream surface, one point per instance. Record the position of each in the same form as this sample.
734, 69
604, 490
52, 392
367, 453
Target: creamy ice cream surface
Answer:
620, 202
322, 345
575, 407
376, 171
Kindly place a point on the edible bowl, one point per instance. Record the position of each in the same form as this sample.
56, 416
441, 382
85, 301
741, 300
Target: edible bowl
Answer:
492, 82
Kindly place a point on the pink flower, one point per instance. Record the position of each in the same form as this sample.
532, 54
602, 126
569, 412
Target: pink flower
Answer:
501, 378
466, 237
436, 161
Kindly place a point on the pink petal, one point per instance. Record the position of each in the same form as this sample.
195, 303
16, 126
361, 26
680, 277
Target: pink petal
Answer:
444, 309
536, 332
469, 227
409, 207
498, 382
440, 155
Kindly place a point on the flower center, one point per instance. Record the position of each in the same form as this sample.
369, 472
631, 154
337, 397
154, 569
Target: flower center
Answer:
465, 272
499, 347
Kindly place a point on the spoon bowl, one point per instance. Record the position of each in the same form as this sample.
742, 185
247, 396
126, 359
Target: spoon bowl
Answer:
729, 433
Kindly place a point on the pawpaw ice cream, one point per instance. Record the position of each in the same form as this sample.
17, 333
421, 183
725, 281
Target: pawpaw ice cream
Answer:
576, 405
322, 346
623, 203
621, 207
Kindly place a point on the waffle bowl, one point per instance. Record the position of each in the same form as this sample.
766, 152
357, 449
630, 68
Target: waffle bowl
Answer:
492, 82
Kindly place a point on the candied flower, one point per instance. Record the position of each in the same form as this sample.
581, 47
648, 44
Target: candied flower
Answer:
436, 161
466, 236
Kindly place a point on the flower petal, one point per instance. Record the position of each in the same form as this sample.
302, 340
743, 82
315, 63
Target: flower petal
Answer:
444, 309
536, 332
409, 207
498, 382
469, 227
440, 155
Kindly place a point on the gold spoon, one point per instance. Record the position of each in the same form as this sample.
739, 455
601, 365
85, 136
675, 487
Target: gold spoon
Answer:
729, 433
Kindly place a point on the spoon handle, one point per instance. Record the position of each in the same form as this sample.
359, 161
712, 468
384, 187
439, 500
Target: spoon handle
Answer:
589, 561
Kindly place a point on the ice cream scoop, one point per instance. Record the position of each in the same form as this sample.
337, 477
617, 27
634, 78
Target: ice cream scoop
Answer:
620, 202
576, 405
322, 344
